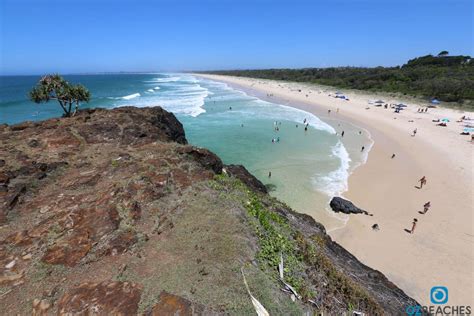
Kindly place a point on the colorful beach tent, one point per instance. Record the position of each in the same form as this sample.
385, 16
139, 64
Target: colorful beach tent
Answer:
445, 120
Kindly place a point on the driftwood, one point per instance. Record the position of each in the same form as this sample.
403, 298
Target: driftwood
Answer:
261, 311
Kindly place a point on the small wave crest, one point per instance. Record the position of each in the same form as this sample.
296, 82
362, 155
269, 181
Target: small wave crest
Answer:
335, 182
161, 80
130, 96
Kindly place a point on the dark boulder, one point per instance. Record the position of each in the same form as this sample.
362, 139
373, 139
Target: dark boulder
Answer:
246, 177
340, 205
206, 158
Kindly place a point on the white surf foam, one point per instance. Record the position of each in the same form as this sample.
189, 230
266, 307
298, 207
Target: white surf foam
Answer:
166, 79
335, 182
131, 96
180, 96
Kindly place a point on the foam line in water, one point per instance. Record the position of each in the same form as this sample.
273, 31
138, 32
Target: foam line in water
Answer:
335, 182
167, 79
131, 96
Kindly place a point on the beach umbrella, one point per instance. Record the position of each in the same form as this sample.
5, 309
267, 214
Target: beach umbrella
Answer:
445, 120
401, 105
435, 101
379, 101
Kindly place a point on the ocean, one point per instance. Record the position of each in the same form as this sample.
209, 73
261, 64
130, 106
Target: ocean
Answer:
307, 167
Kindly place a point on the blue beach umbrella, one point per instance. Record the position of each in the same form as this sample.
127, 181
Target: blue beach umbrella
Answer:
445, 120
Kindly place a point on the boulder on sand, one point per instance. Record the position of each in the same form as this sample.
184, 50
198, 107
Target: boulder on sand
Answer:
340, 205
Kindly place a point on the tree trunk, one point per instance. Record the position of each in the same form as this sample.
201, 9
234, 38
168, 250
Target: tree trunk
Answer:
76, 108
69, 109
64, 108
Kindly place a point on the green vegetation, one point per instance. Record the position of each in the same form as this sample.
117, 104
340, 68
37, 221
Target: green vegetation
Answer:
54, 87
307, 267
447, 78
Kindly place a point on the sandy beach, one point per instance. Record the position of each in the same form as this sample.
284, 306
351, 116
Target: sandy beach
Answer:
440, 252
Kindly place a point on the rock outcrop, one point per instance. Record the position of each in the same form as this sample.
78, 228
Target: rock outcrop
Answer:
339, 204
246, 177
112, 212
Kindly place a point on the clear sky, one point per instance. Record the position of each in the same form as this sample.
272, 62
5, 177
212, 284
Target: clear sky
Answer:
71, 36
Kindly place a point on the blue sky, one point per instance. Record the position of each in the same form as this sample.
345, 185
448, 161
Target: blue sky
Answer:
69, 36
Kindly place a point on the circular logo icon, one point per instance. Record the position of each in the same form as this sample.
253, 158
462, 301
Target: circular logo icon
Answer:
439, 295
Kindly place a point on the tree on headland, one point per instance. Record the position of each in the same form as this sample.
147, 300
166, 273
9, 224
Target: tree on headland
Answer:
54, 87
443, 53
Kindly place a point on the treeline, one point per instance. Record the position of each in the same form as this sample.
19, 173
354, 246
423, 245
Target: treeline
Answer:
447, 78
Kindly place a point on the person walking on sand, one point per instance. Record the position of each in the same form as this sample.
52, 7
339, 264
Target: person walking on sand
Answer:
329, 112
413, 226
363, 147
393, 156
269, 174
342, 134
422, 181
414, 132
426, 207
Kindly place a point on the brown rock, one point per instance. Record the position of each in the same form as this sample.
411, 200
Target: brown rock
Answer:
105, 298
170, 304
69, 251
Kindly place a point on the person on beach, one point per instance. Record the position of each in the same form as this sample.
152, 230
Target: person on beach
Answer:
393, 156
306, 128
363, 147
230, 108
422, 181
278, 139
329, 112
376, 227
342, 134
304, 121
414, 132
269, 174
426, 207
413, 226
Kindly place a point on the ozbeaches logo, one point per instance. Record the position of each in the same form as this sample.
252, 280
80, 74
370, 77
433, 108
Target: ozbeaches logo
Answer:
439, 296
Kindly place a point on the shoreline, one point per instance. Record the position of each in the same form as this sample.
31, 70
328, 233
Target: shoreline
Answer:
412, 261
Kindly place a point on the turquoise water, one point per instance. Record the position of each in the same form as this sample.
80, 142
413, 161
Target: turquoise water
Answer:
308, 167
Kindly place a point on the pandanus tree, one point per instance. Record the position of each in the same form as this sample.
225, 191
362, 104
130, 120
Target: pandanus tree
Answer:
54, 87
